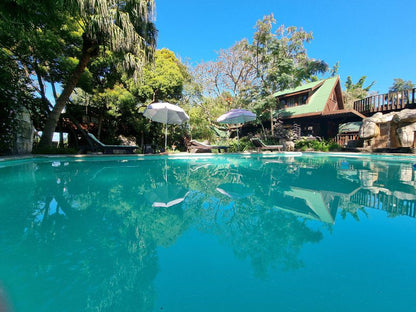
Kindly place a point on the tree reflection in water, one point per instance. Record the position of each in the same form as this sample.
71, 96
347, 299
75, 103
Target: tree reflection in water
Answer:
83, 236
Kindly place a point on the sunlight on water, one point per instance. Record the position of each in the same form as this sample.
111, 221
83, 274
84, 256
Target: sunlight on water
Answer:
208, 233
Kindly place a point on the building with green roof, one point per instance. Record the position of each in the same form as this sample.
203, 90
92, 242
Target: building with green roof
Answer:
316, 108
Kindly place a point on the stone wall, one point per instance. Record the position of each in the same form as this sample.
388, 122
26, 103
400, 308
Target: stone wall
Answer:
392, 130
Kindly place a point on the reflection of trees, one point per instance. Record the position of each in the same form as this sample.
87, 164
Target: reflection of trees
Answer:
91, 231
256, 231
268, 238
91, 238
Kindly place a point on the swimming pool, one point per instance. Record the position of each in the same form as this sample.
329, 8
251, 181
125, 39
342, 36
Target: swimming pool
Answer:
272, 232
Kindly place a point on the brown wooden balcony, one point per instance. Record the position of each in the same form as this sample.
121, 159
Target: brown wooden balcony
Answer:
389, 102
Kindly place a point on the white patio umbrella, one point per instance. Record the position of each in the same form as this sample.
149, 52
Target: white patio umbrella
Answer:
236, 116
166, 113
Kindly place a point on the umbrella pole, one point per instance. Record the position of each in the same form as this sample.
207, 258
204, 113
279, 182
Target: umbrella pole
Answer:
238, 139
166, 136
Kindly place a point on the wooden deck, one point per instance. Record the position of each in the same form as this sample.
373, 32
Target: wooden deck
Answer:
386, 102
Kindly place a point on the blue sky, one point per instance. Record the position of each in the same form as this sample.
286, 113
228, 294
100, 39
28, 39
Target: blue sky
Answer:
372, 38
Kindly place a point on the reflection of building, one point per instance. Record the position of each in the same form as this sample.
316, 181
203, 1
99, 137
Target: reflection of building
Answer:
368, 185
392, 202
309, 204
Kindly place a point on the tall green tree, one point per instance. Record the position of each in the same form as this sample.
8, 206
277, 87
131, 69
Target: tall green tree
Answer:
355, 91
281, 61
123, 27
36, 32
401, 85
162, 80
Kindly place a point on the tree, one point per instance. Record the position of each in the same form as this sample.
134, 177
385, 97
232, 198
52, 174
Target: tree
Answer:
281, 62
401, 85
16, 95
355, 91
124, 27
248, 74
230, 74
162, 80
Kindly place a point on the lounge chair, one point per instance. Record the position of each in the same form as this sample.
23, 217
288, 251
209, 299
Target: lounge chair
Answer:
198, 147
259, 144
98, 146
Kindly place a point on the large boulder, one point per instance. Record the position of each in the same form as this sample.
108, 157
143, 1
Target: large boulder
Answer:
380, 118
404, 123
405, 116
369, 129
406, 135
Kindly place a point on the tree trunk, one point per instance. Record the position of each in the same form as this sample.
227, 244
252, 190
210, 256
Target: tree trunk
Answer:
89, 49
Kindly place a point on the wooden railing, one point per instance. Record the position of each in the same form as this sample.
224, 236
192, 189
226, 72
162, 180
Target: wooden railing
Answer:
344, 138
387, 102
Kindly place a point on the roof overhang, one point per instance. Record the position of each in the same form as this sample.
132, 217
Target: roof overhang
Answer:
314, 114
342, 113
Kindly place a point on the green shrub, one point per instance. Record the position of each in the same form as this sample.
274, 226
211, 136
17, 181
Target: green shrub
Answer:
324, 145
244, 144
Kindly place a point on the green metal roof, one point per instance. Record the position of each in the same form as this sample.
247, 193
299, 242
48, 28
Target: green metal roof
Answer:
307, 86
316, 102
353, 126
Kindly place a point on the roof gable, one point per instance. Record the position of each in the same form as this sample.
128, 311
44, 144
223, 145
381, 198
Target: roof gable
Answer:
320, 92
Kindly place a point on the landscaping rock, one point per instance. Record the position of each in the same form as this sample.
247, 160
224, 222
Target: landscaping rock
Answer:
288, 145
406, 135
405, 116
369, 129
402, 127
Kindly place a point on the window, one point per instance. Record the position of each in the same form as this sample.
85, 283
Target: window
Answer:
293, 101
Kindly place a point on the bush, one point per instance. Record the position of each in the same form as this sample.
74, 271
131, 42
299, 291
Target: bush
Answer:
244, 144
324, 145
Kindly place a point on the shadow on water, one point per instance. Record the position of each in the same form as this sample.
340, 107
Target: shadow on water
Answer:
83, 236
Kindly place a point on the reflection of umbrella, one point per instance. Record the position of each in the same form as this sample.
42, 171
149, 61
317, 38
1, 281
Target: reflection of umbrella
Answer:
236, 116
166, 113
166, 195
234, 190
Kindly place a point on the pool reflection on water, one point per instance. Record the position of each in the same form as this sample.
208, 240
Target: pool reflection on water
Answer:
226, 233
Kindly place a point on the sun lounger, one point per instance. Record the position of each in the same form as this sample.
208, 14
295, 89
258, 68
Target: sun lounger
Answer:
198, 147
259, 144
97, 145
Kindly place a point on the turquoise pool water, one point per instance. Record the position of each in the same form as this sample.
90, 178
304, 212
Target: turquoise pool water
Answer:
208, 233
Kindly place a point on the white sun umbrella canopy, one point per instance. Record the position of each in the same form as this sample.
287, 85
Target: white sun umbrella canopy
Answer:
166, 113
237, 116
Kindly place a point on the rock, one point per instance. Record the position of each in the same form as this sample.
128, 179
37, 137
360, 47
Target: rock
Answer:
406, 135
369, 129
380, 118
402, 125
130, 141
288, 145
405, 116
